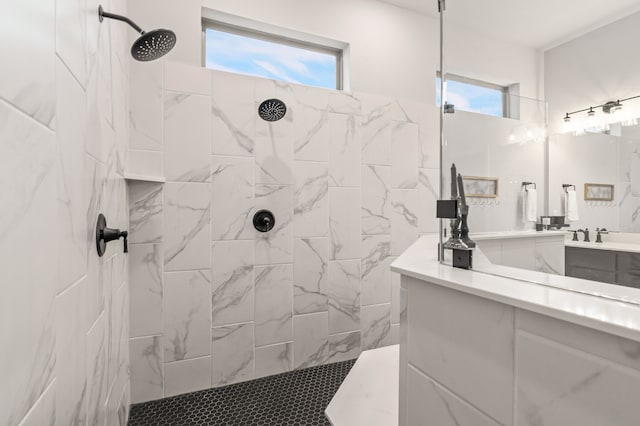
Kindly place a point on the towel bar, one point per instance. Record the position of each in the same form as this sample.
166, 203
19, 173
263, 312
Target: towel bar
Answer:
568, 185
526, 185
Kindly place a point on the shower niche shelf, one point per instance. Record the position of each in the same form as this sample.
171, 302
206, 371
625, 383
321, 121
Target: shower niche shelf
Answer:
142, 178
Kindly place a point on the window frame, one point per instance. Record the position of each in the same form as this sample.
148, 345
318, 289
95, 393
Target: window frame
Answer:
273, 37
508, 109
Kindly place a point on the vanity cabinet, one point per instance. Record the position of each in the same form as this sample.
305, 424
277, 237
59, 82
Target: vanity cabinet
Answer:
611, 267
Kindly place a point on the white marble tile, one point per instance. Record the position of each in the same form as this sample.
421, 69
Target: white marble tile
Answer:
634, 173
270, 89
274, 301
187, 148
344, 296
187, 376
310, 274
71, 372
146, 105
311, 199
344, 223
395, 334
428, 189
375, 270
404, 219
376, 326
274, 359
99, 65
95, 184
145, 284
232, 353
70, 133
234, 114
465, 362
410, 111
145, 163
275, 246
376, 200
343, 347
28, 79
232, 202
187, 315
519, 253
549, 253
274, 151
395, 295
556, 383
344, 103
616, 350
310, 339
187, 240
97, 370
428, 400
430, 139
145, 212
28, 179
405, 139
232, 282
344, 150
187, 78
369, 393
44, 410
147, 381
311, 123
376, 129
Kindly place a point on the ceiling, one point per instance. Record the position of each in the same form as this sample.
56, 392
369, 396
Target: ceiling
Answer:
538, 24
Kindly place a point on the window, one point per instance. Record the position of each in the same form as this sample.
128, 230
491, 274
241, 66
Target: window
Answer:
478, 96
261, 54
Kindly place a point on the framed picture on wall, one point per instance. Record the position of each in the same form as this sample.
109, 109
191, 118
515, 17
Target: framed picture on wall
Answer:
598, 192
480, 187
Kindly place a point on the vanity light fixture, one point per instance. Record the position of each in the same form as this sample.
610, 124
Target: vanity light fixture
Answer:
612, 108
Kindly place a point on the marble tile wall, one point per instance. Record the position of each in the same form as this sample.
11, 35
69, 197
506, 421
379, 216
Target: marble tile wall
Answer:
64, 130
351, 180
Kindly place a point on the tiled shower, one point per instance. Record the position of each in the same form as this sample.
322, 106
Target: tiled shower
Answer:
351, 180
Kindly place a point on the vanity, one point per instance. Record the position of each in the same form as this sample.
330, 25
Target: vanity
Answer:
614, 261
514, 347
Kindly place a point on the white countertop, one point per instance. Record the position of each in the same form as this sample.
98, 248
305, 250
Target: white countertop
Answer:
607, 245
608, 308
482, 236
369, 394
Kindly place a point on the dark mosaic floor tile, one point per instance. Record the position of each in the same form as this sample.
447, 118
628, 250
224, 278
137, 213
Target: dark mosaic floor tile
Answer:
294, 398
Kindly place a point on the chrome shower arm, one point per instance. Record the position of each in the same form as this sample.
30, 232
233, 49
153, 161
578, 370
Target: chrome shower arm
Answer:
102, 14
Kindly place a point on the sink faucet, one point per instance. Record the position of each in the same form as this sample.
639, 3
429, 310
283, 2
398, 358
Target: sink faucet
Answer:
600, 232
585, 231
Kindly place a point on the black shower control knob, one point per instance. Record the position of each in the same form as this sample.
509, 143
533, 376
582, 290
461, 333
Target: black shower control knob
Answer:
264, 221
105, 234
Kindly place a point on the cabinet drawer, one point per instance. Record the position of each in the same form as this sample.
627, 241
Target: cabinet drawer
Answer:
591, 274
601, 260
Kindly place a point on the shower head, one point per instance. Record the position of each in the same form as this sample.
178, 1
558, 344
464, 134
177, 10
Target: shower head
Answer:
153, 45
150, 45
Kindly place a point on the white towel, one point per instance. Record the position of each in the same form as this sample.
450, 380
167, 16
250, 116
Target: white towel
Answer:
571, 206
530, 205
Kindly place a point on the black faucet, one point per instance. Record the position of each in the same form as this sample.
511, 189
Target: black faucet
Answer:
586, 234
600, 232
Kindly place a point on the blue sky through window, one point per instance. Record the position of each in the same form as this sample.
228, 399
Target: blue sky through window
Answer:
246, 55
470, 97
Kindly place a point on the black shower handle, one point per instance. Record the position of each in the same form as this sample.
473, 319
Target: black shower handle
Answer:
105, 234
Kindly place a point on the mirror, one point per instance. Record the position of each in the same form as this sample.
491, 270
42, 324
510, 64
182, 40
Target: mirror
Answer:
575, 180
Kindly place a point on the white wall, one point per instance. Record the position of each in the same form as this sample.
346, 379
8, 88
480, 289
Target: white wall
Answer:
600, 66
394, 52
